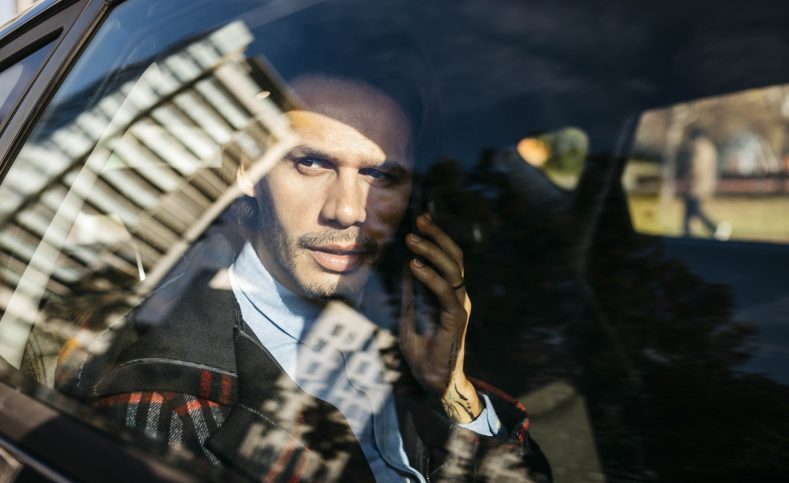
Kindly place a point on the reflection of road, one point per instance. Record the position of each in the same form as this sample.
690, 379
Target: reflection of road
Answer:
564, 432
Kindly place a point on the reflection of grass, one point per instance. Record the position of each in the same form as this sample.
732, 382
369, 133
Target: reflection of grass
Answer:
762, 218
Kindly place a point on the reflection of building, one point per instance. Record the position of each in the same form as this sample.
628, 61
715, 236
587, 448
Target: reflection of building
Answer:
117, 193
341, 362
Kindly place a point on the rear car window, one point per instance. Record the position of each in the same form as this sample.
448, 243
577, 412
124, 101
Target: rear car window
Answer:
713, 168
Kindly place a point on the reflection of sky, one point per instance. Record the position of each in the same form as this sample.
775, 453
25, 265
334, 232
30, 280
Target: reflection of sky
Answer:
134, 19
130, 28
7, 10
507, 57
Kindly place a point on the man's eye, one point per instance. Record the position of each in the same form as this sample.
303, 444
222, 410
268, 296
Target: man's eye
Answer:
378, 176
312, 164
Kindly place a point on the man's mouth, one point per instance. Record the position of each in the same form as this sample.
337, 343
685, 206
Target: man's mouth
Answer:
338, 259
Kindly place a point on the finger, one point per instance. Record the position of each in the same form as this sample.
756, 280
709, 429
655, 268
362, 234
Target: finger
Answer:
430, 230
437, 257
440, 287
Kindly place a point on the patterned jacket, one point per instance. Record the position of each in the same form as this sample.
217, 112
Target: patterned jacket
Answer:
199, 380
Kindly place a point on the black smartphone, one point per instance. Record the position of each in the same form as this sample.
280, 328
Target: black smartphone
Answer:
426, 305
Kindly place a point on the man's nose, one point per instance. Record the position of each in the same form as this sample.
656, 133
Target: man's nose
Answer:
346, 201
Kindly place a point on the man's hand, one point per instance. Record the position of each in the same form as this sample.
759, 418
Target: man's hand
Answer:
436, 356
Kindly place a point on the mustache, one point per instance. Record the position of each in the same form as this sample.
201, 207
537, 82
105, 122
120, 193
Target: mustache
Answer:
365, 244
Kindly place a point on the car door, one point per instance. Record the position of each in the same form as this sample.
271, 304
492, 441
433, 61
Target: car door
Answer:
696, 296
641, 355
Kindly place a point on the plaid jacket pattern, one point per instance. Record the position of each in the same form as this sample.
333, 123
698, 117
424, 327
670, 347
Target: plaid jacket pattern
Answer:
182, 420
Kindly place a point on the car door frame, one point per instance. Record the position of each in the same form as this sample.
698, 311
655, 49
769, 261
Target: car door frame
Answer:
69, 24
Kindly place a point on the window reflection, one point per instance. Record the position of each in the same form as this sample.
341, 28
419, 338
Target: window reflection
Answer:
121, 239
118, 194
559, 154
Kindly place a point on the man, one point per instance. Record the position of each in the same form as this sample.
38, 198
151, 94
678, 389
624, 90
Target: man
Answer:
702, 178
237, 374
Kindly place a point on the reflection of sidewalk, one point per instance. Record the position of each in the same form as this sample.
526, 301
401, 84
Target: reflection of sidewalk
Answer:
760, 219
561, 424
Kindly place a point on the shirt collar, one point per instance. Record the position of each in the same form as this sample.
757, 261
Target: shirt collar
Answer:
292, 314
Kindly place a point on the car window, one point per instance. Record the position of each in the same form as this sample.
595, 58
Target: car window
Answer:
343, 241
713, 168
207, 160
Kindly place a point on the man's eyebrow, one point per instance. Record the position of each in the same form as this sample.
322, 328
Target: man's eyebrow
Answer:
304, 151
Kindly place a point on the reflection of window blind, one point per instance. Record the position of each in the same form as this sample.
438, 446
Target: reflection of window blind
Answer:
140, 157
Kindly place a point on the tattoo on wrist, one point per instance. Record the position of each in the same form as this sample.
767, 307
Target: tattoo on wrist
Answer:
457, 406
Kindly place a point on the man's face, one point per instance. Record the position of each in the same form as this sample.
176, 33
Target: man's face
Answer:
330, 206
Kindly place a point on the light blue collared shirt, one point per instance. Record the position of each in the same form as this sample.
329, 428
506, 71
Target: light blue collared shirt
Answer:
338, 372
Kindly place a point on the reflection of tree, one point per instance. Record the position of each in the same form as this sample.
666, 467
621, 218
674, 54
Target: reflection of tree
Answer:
653, 348
723, 118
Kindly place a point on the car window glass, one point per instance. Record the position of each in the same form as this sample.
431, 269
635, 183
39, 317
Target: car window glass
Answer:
136, 186
207, 250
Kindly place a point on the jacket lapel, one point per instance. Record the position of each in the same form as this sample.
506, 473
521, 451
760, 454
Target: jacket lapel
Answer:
277, 431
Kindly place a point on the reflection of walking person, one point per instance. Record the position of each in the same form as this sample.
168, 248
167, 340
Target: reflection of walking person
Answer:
702, 179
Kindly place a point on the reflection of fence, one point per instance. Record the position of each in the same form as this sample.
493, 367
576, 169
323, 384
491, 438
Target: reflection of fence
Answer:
130, 181
728, 185
777, 183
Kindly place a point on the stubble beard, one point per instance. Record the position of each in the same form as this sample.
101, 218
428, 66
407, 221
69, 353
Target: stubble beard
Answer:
284, 253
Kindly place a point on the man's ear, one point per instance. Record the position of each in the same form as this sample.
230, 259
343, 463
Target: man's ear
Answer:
244, 183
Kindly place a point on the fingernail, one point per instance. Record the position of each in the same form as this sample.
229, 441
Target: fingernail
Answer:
418, 263
428, 218
416, 238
